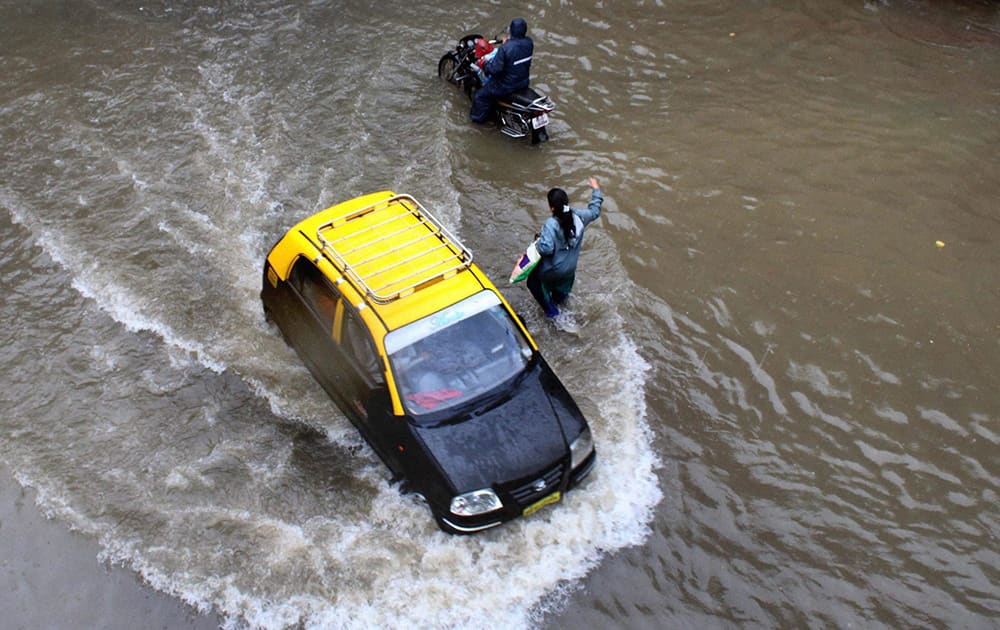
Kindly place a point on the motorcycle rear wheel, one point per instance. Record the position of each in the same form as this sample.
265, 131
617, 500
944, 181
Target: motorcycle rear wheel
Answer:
539, 135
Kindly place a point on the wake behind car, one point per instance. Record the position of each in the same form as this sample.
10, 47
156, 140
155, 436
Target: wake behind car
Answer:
424, 355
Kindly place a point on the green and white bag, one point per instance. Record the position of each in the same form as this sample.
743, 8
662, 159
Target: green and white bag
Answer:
525, 263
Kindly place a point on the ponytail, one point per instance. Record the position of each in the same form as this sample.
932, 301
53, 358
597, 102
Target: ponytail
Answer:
559, 204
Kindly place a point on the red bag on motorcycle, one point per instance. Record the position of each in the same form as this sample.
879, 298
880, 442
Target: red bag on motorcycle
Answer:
482, 48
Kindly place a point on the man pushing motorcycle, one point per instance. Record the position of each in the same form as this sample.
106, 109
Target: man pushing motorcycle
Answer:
509, 71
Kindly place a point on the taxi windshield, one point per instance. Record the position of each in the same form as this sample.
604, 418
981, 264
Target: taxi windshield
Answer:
457, 354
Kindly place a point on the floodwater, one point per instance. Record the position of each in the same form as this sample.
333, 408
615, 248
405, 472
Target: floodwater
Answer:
788, 334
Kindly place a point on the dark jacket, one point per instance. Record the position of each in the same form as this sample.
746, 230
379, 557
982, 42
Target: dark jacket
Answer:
510, 68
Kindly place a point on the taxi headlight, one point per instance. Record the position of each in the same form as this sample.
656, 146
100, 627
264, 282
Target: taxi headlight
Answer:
475, 502
581, 448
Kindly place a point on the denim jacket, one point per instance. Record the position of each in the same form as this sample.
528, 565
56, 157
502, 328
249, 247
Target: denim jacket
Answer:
559, 256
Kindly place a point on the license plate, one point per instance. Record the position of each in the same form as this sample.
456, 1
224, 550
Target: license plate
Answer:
540, 121
537, 505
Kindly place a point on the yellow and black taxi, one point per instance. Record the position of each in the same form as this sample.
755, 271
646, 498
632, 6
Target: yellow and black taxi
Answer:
426, 357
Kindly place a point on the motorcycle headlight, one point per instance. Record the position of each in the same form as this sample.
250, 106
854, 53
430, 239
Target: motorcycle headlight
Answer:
475, 502
581, 448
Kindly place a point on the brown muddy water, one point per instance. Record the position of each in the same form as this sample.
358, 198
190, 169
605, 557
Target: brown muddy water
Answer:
787, 322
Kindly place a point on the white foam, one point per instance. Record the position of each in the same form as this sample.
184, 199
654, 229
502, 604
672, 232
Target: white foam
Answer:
115, 300
413, 575
385, 564
566, 322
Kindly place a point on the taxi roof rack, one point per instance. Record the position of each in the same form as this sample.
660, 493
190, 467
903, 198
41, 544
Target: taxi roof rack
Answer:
354, 250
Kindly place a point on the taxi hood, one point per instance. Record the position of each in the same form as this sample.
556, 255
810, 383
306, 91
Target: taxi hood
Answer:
524, 433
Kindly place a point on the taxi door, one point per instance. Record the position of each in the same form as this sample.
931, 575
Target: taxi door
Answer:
311, 314
366, 390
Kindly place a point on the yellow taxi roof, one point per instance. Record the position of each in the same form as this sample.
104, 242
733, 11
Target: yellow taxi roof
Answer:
395, 254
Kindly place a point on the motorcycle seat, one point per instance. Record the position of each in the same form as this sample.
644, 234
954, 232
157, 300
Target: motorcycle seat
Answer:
523, 97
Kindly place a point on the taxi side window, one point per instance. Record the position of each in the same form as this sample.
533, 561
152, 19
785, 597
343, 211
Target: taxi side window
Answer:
316, 291
358, 345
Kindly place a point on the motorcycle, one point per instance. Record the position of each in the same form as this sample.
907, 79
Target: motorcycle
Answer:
520, 114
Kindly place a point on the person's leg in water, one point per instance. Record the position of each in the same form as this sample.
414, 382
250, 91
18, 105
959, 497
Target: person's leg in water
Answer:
482, 104
540, 294
559, 291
